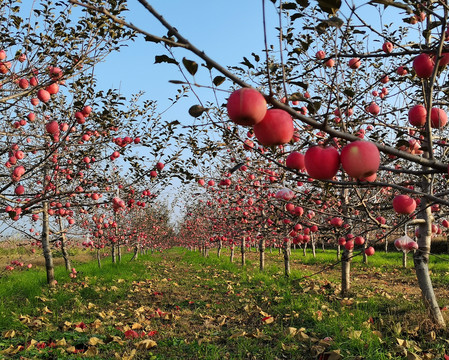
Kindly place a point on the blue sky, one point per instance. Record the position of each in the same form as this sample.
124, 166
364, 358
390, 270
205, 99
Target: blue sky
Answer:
225, 30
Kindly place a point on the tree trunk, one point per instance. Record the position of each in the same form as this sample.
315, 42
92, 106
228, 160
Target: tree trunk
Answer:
232, 253
114, 258
287, 258
220, 245
313, 247
119, 252
421, 261
64, 251
98, 259
242, 250
304, 249
262, 254
322, 246
386, 245
346, 272
404, 259
136, 252
49, 267
365, 257
338, 252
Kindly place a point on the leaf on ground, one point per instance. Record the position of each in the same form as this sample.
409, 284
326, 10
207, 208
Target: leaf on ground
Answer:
31, 344
355, 334
9, 334
93, 341
291, 347
71, 349
332, 355
61, 343
238, 334
301, 335
268, 319
91, 306
126, 356
113, 288
259, 335
119, 281
412, 356
91, 351
292, 331
146, 344
96, 324
136, 326
118, 340
46, 310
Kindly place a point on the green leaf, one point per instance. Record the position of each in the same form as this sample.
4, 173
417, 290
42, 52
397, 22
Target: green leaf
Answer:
247, 63
191, 66
289, 6
164, 59
329, 6
218, 80
196, 110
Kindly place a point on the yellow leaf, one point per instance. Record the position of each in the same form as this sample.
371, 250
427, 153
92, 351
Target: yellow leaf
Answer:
126, 356
136, 326
268, 319
46, 310
8, 350
78, 329
61, 342
32, 342
71, 349
292, 331
333, 355
355, 334
238, 334
91, 351
412, 356
96, 324
118, 340
9, 334
91, 306
113, 288
146, 344
301, 335
93, 341
120, 281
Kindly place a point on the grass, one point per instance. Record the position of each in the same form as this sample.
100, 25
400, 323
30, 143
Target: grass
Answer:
194, 307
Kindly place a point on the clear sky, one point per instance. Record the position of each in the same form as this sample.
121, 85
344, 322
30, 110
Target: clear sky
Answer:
225, 30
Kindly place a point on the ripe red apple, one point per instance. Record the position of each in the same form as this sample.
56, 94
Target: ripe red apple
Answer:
246, 107
373, 108
336, 221
320, 55
52, 127
349, 245
354, 63
438, 118
417, 115
360, 159
329, 63
322, 163
359, 240
370, 251
52, 88
153, 173
423, 65
23, 83
276, 128
43, 95
387, 47
79, 117
295, 161
404, 204
160, 166
19, 190
445, 223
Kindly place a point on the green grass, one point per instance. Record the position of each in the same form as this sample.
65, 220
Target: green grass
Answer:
216, 308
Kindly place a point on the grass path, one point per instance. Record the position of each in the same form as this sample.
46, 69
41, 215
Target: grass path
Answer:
179, 305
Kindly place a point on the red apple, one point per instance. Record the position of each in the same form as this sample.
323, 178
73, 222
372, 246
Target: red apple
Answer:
52, 127
404, 204
43, 95
354, 63
52, 88
359, 240
438, 118
246, 107
373, 108
320, 55
445, 223
329, 63
19, 190
387, 47
417, 115
276, 128
349, 245
423, 65
23, 83
360, 159
160, 166
370, 251
295, 161
322, 163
